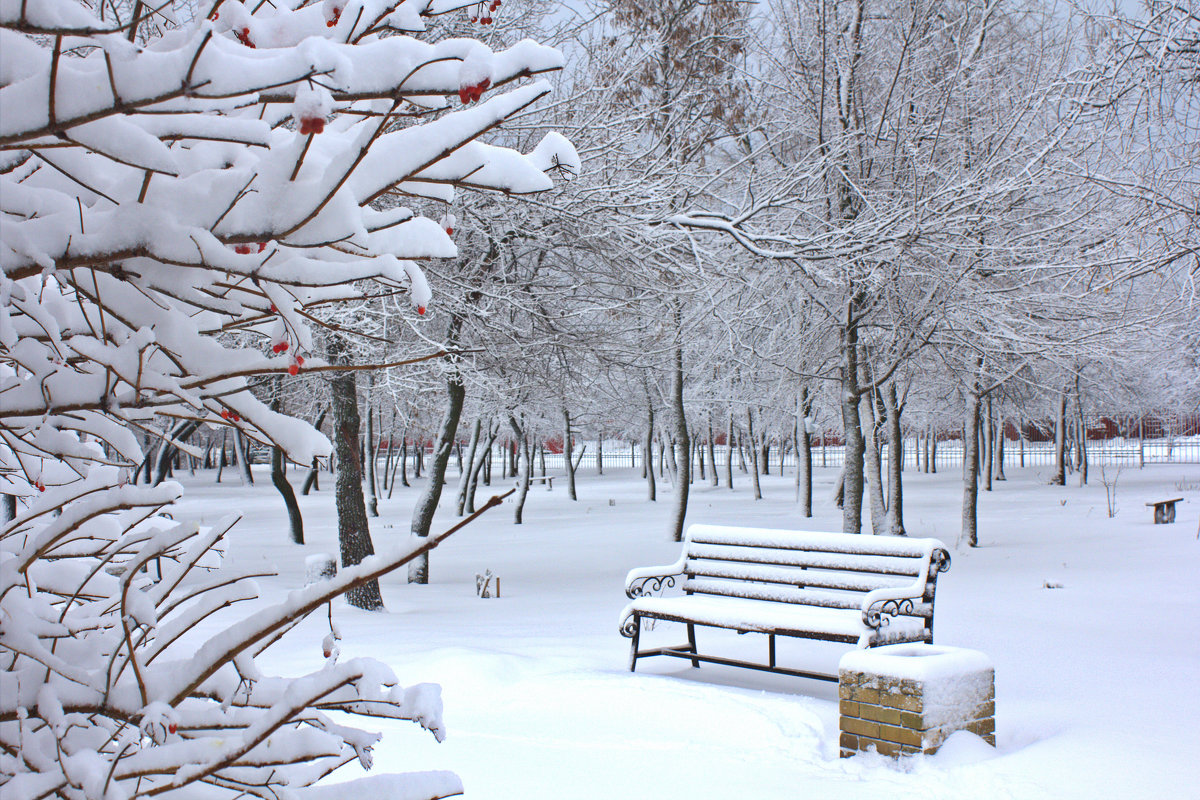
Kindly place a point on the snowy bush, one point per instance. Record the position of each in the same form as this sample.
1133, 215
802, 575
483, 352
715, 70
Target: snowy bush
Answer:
167, 181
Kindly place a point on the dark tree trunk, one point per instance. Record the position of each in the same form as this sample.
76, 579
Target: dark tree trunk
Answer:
242, 451
971, 470
852, 486
467, 469
1059, 478
526, 460
682, 442
295, 521
372, 455
804, 454
651, 490
418, 569
162, 462
752, 444
311, 483
568, 449
895, 462
354, 535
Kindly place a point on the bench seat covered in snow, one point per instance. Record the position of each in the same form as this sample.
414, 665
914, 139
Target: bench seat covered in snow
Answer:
858, 589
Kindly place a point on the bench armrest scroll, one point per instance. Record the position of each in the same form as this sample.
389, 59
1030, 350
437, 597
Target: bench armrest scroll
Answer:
645, 581
902, 599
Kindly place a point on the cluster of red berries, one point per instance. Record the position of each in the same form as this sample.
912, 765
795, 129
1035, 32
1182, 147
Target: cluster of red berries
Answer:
244, 37
312, 125
247, 249
468, 93
334, 16
485, 17
228, 415
41, 487
280, 347
294, 367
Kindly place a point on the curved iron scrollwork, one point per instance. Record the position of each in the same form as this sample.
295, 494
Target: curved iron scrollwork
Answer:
874, 615
939, 560
629, 626
644, 587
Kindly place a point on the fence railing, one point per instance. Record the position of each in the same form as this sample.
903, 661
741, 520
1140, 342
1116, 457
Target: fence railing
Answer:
1111, 452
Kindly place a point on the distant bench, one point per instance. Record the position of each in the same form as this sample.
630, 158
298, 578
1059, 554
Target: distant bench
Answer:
546, 479
858, 589
1164, 510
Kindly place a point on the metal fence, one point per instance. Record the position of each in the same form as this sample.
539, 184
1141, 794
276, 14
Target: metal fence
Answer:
1111, 452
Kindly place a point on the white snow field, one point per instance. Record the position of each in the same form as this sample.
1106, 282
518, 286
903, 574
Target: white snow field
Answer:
1093, 625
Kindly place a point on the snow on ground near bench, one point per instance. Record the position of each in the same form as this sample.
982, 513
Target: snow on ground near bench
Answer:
1095, 681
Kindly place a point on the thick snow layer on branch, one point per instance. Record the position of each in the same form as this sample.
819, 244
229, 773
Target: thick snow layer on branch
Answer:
178, 208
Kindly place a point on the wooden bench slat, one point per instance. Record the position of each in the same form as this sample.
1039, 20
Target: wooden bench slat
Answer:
776, 593
793, 576
811, 541
879, 565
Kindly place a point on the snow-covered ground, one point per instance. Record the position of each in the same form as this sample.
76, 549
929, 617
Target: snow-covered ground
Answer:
1092, 624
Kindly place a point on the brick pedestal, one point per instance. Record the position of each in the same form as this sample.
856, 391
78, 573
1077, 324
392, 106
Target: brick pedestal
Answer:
908, 698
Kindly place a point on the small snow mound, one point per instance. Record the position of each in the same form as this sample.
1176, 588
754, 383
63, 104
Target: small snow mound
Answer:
963, 748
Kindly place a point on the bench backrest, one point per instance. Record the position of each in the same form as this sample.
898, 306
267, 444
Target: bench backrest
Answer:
833, 570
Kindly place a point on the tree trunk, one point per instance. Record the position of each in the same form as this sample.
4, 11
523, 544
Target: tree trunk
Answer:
222, 462
752, 444
568, 448
354, 535
478, 470
295, 521
180, 432
651, 490
526, 460
989, 441
971, 470
310, 480
600, 453
1000, 436
243, 457
895, 509
372, 454
418, 568
1059, 478
465, 472
712, 453
852, 492
804, 454
682, 441
933, 451
872, 462
729, 453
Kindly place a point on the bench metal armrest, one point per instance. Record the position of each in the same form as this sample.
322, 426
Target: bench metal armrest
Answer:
644, 581
902, 599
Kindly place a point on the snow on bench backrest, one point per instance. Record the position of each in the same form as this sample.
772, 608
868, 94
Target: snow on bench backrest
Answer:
833, 570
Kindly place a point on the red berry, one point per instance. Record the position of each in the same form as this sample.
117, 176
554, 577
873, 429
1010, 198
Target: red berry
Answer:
327, 653
464, 94
449, 231
171, 728
474, 19
41, 487
293, 369
262, 246
420, 309
244, 37
273, 308
300, 360
283, 346
312, 125
235, 417
224, 413
486, 20
242, 249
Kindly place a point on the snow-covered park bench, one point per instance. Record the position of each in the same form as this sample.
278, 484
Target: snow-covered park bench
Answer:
859, 589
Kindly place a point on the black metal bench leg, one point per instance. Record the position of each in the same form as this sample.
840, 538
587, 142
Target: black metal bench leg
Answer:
692, 643
633, 648
771, 650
